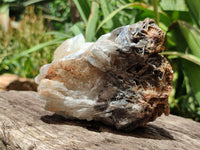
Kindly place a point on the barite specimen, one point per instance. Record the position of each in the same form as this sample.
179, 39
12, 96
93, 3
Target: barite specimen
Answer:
120, 79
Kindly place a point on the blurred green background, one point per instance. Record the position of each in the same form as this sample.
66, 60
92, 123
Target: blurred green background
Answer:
30, 30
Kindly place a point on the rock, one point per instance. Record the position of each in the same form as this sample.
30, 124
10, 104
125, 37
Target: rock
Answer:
25, 125
14, 82
120, 80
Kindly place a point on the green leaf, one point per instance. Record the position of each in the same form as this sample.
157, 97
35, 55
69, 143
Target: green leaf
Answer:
83, 8
189, 57
92, 22
106, 12
191, 37
173, 5
137, 5
77, 29
193, 73
57, 34
193, 6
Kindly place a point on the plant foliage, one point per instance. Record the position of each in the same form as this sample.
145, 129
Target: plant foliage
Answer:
180, 20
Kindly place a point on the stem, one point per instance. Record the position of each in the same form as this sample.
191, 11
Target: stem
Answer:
156, 14
188, 57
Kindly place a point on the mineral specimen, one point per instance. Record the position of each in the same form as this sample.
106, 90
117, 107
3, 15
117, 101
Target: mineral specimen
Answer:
120, 79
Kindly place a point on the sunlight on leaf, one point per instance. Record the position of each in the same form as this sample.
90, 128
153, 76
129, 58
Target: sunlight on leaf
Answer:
173, 5
193, 6
92, 21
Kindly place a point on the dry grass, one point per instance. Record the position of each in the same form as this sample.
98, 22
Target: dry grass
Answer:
29, 34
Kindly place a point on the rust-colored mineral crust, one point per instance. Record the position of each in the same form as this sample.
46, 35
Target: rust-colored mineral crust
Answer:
120, 79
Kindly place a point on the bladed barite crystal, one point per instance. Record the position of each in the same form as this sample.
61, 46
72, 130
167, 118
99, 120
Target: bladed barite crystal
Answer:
120, 79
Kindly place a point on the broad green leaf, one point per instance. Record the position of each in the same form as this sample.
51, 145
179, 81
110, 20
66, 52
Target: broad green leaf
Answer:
77, 29
83, 9
106, 12
137, 5
193, 73
173, 5
92, 22
190, 36
193, 6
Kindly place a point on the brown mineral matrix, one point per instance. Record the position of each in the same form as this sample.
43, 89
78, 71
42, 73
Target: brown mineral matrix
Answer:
120, 80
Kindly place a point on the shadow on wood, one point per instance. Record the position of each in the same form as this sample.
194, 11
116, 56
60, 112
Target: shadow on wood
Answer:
25, 125
150, 131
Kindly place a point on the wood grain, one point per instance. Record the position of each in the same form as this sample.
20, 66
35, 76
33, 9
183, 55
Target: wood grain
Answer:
25, 125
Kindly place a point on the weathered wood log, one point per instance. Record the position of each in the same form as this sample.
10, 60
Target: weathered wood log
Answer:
24, 124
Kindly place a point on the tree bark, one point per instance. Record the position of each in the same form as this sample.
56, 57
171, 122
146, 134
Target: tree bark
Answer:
25, 125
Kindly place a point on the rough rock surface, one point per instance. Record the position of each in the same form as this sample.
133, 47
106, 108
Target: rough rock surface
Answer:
25, 125
120, 79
